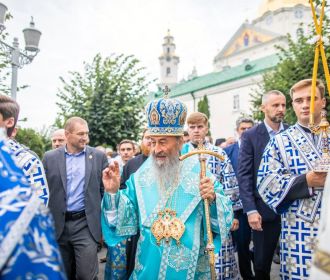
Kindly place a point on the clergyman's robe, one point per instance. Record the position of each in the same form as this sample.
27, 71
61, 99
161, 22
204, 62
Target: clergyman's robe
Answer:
28, 247
32, 168
282, 185
137, 206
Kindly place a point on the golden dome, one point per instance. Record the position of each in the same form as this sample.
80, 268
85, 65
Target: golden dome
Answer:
273, 5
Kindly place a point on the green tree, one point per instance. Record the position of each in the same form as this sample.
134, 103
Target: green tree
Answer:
31, 139
296, 63
109, 95
203, 107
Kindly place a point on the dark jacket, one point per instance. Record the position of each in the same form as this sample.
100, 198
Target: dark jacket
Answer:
253, 143
232, 152
55, 169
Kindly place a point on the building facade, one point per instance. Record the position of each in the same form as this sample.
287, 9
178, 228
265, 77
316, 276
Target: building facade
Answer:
240, 65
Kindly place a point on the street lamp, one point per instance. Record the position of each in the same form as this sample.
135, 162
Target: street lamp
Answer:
18, 57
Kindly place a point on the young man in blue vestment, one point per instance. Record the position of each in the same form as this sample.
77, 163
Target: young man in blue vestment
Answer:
288, 184
30, 164
226, 265
164, 200
28, 248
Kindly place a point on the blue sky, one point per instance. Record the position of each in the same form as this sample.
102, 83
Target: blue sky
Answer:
75, 31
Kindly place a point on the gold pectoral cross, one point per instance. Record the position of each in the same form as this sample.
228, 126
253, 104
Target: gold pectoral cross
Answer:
167, 226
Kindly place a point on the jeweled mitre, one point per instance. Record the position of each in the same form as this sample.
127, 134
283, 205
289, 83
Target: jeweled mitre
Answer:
166, 117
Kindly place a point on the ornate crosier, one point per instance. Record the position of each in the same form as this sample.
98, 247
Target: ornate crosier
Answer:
323, 165
201, 151
323, 128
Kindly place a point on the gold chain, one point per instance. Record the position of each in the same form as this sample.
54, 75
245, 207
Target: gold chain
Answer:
167, 225
170, 191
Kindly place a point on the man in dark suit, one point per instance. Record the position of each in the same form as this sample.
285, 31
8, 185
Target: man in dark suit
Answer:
264, 222
74, 174
242, 236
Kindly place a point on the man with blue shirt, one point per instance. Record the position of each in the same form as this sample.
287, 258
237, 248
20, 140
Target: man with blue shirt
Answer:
74, 174
265, 224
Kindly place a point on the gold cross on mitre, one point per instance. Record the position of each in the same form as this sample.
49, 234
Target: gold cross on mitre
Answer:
166, 91
319, 49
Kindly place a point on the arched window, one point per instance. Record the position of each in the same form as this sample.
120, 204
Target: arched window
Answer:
246, 39
168, 71
236, 102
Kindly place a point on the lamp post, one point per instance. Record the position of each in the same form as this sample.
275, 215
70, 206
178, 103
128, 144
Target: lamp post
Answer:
18, 58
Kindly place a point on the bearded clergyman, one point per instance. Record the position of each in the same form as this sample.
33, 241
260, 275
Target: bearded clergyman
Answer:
166, 193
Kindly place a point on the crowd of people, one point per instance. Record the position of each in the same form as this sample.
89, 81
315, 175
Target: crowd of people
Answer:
146, 206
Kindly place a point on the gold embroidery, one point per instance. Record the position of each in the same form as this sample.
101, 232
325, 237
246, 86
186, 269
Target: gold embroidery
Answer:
167, 226
322, 260
154, 117
183, 118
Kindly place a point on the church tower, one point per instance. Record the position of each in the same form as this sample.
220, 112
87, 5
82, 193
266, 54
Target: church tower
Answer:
168, 62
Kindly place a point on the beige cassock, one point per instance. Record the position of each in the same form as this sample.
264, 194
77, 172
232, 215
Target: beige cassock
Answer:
321, 259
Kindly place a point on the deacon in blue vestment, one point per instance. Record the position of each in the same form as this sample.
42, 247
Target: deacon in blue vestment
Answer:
226, 264
288, 184
25, 159
163, 199
28, 248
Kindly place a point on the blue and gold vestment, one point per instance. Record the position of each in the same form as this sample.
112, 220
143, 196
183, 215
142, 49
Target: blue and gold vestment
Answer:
138, 206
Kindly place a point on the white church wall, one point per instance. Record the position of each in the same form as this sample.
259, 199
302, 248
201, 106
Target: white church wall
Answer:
252, 53
223, 115
285, 21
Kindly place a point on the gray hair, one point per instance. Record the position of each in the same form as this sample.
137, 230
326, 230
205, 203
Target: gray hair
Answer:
269, 93
57, 132
243, 120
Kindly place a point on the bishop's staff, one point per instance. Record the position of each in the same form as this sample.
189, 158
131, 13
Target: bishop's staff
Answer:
319, 49
323, 128
201, 151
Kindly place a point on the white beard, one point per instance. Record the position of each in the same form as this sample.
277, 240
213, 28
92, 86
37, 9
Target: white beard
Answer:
166, 172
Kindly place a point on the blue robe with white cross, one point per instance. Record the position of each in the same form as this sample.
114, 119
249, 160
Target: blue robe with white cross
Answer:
226, 265
287, 156
28, 248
